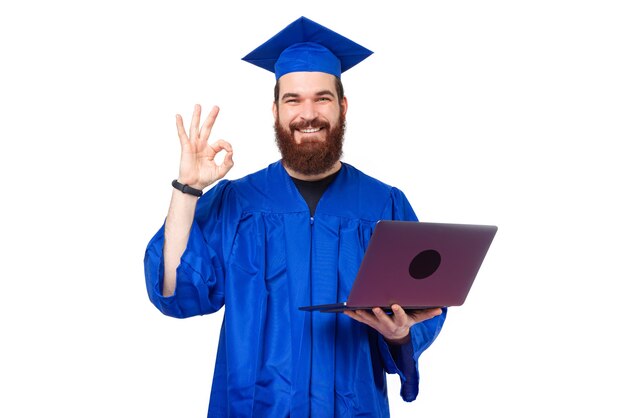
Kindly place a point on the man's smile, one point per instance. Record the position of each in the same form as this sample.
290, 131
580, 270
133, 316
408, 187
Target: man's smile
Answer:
309, 130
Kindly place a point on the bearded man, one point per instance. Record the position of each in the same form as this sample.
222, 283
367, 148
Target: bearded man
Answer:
288, 236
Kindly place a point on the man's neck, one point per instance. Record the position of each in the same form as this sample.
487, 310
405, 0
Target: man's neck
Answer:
313, 177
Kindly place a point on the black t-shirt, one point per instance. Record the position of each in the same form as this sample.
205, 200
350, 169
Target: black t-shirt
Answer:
312, 191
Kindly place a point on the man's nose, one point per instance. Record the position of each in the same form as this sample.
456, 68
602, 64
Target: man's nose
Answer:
309, 111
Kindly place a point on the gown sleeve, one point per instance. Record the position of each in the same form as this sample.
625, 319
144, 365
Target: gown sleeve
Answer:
200, 276
403, 359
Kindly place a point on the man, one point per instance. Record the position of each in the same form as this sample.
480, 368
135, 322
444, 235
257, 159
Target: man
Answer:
287, 236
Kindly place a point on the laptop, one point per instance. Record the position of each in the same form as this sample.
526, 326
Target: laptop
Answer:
417, 265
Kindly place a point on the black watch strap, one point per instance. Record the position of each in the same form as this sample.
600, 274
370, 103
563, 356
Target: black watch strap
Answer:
186, 189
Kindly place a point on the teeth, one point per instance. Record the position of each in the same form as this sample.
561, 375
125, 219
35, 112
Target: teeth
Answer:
310, 130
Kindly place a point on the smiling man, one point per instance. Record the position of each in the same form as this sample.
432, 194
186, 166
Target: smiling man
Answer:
288, 236
309, 124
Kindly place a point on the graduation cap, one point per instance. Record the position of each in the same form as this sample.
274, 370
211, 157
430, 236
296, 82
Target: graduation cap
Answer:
305, 45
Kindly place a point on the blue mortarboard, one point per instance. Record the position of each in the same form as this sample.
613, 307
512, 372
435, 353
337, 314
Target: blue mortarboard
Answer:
307, 46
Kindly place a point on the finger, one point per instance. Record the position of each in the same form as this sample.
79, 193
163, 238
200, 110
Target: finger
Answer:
425, 314
356, 317
195, 122
399, 315
382, 317
227, 164
182, 135
432, 312
220, 145
225, 167
365, 317
205, 131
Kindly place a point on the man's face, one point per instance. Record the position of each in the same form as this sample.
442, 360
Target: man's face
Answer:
309, 122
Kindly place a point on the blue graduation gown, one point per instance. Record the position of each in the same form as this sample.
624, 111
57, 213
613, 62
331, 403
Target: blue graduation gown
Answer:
254, 248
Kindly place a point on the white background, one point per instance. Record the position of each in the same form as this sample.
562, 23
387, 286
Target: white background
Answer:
502, 112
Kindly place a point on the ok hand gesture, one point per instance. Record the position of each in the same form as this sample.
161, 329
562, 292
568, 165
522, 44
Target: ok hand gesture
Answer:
198, 168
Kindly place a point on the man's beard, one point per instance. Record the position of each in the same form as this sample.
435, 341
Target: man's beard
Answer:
311, 157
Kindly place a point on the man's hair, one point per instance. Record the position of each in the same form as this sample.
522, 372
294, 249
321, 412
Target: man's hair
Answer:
338, 87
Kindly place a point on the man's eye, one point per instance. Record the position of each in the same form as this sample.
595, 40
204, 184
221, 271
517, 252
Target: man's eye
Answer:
323, 99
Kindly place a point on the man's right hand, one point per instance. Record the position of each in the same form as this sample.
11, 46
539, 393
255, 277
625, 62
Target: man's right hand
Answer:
198, 168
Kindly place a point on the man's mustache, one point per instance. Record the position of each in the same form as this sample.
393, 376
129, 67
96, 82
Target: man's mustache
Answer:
309, 124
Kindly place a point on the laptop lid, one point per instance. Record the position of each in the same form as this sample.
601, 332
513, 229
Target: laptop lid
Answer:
417, 265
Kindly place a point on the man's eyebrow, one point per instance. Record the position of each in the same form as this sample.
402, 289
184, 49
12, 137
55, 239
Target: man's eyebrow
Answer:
318, 94
325, 93
289, 96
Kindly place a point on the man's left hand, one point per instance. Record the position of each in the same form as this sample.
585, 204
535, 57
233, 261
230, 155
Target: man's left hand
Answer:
395, 328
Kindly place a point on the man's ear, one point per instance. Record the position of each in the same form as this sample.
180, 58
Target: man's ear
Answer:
275, 110
344, 105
